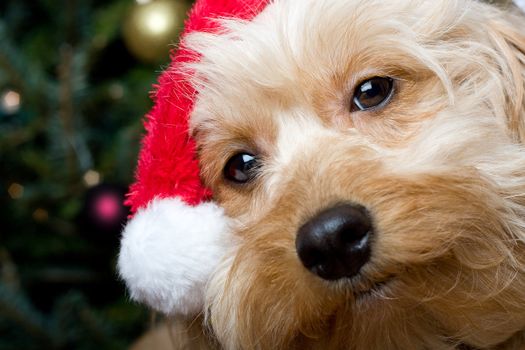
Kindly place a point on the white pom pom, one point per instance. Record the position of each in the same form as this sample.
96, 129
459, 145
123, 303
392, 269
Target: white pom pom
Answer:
168, 252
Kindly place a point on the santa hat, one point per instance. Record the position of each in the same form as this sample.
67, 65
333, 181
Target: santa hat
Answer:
176, 236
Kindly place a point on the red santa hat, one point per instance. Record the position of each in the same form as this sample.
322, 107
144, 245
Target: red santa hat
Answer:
177, 235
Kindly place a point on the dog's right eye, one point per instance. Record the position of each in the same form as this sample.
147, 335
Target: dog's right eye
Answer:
374, 92
240, 168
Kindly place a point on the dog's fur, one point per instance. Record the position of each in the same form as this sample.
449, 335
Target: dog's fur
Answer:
441, 168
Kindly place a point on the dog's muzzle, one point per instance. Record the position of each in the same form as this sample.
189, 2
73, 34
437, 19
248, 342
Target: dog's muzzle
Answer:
335, 243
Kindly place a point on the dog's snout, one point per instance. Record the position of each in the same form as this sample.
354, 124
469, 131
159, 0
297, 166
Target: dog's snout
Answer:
336, 242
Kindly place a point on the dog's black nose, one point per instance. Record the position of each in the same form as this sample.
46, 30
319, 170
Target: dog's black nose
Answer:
336, 242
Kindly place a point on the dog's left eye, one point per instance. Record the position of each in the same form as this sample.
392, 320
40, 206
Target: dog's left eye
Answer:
240, 168
373, 92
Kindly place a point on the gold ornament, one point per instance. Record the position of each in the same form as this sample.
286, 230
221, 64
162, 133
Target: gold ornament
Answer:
152, 26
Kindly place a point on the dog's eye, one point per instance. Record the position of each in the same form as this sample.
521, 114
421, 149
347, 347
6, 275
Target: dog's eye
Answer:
240, 168
373, 92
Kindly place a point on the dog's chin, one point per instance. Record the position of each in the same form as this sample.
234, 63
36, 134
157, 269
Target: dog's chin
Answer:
368, 292
378, 290
363, 289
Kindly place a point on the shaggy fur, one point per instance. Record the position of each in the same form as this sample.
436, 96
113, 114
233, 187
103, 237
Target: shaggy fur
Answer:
441, 169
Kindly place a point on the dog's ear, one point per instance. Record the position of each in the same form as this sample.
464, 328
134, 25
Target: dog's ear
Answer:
508, 37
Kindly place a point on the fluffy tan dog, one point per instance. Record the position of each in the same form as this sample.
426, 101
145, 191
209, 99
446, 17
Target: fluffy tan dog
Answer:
371, 156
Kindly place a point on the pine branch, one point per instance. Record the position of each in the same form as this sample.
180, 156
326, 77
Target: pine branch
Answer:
66, 108
30, 83
10, 59
77, 322
17, 309
72, 80
8, 270
107, 23
22, 73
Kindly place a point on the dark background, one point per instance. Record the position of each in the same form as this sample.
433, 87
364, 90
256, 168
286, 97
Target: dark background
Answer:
74, 82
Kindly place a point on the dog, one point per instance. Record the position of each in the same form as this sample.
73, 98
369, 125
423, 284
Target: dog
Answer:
371, 157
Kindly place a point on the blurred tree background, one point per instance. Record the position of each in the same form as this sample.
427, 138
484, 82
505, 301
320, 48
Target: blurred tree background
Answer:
75, 76
74, 82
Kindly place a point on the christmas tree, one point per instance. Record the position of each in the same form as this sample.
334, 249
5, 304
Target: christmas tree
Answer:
74, 82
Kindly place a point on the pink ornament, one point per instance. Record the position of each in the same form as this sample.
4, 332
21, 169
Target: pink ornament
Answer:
108, 208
